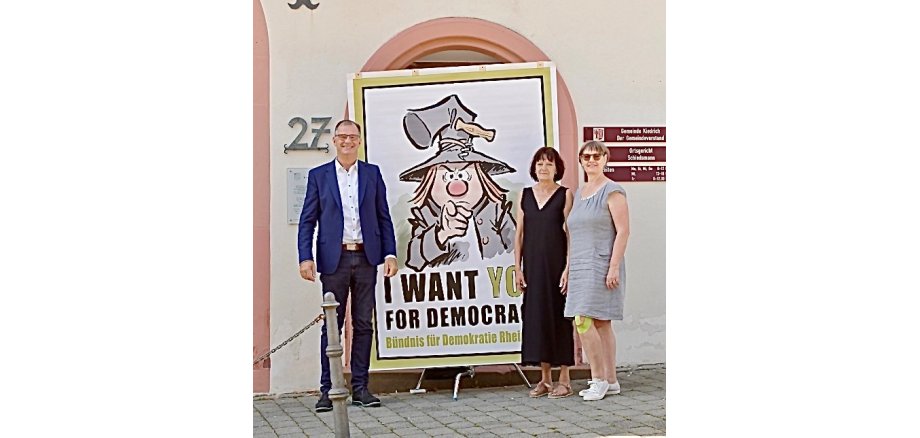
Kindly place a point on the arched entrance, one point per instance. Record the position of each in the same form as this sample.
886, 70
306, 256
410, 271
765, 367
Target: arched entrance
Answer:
495, 42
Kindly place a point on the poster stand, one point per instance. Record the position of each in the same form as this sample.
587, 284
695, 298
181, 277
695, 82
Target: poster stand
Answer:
470, 372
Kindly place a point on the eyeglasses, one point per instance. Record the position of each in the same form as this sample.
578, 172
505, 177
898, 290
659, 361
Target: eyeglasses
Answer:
343, 137
589, 157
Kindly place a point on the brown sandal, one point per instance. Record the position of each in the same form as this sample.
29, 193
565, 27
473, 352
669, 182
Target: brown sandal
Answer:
541, 390
567, 391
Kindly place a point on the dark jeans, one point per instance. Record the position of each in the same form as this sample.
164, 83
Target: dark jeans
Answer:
356, 274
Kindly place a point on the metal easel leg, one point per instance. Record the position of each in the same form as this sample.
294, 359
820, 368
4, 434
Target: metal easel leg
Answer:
418, 387
521, 372
470, 372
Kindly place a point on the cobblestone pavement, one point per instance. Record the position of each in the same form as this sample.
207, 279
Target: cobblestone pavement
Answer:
480, 412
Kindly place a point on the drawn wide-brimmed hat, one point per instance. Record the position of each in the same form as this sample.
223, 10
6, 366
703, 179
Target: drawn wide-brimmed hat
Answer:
450, 123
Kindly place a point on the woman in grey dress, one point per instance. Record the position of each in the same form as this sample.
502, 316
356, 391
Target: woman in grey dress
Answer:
599, 228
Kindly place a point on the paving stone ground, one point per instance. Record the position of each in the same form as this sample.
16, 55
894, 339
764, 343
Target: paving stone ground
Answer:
479, 412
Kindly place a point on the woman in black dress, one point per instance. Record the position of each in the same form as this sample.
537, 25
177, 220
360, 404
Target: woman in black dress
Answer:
541, 271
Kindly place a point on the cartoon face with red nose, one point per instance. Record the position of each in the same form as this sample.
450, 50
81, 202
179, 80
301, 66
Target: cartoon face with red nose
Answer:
456, 193
461, 213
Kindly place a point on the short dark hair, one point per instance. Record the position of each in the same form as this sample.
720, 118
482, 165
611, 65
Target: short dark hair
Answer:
548, 154
347, 122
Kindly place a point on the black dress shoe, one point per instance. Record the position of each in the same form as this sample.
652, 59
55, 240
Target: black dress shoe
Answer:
324, 404
363, 397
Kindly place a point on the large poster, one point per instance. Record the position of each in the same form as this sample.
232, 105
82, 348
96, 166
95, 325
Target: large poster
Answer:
454, 147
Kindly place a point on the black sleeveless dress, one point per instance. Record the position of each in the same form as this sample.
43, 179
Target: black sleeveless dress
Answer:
547, 335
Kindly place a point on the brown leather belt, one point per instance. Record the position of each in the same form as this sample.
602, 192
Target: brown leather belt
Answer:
353, 247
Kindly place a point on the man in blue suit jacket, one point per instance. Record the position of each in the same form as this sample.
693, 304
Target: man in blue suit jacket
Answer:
348, 199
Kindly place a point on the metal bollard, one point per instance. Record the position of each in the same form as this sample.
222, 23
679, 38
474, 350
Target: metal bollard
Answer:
338, 393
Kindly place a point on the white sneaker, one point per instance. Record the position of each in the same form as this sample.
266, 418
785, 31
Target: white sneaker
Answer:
585, 391
611, 389
596, 391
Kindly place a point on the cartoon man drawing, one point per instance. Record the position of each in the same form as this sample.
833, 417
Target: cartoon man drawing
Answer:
459, 211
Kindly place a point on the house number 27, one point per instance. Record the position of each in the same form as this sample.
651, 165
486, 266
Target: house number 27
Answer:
317, 133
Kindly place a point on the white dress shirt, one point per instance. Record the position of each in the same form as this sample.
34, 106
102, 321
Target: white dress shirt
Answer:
348, 190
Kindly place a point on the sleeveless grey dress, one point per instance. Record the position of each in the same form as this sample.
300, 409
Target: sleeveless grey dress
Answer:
592, 232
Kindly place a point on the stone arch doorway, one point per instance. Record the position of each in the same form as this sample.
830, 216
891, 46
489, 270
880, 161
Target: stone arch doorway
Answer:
493, 42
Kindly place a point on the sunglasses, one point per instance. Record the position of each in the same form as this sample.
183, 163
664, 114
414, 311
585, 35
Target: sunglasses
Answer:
589, 157
343, 137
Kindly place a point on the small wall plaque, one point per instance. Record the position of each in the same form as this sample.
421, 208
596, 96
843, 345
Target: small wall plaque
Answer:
296, 190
